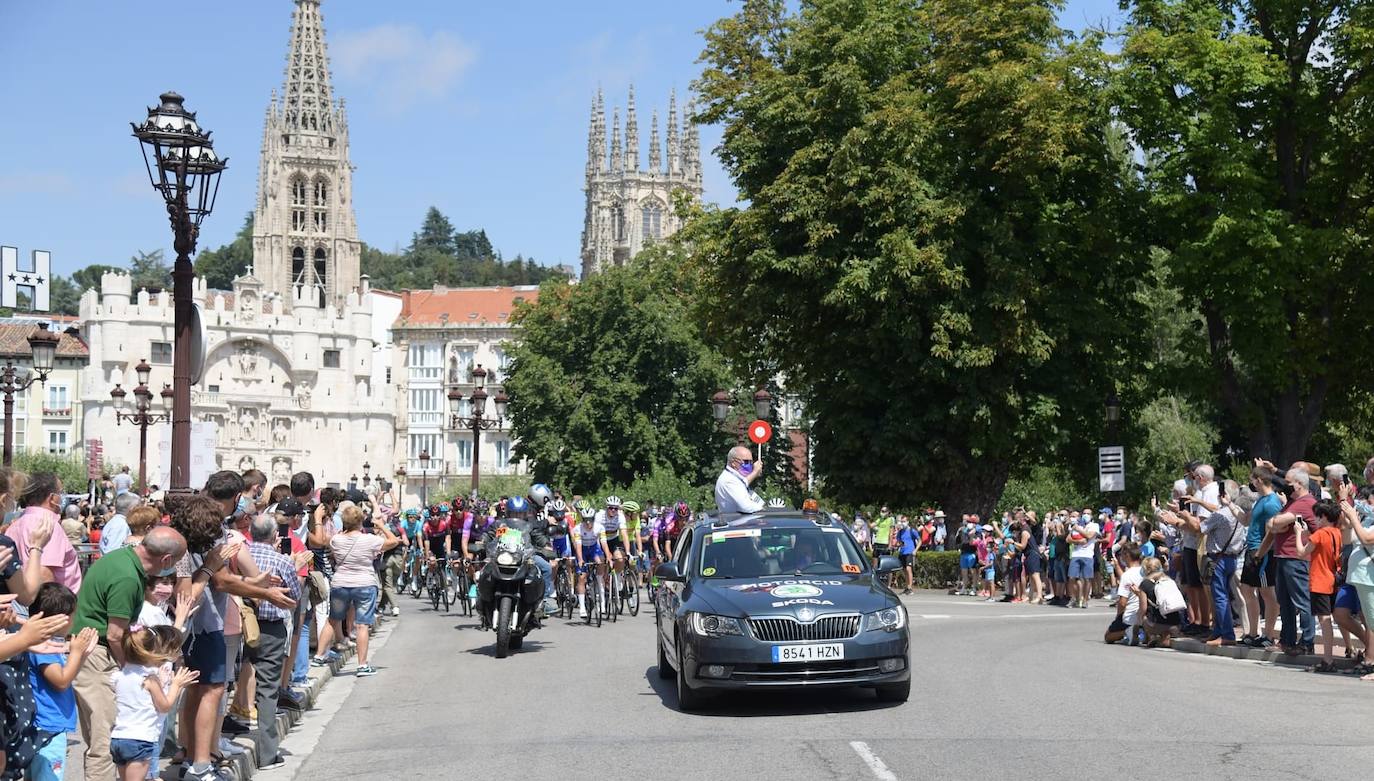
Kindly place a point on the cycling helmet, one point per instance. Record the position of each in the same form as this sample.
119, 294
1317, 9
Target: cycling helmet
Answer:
630, 507
776, 502
584, 505
558, 506
613, 501
444, 508
434, 510
540, 495
681, 510
587, 512
517, 504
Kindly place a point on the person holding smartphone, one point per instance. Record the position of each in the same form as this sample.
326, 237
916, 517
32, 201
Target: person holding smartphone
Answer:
1293, 591
268, 657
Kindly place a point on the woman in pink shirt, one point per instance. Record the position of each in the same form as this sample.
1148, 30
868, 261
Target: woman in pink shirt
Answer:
42, 501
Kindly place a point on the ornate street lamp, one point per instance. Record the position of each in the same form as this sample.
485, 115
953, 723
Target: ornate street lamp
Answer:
477, 422
367, 477
142, 415
16, 379
763, 404
424, 477
183, 167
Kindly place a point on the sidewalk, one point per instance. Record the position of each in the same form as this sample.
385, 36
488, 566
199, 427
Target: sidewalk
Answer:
244, 766
1190, 645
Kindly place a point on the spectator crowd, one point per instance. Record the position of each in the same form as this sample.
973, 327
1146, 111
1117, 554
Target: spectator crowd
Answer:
159, 627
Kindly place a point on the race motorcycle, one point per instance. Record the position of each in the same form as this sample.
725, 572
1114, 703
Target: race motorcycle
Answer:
509, 589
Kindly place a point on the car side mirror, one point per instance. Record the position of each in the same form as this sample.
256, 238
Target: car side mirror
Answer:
668, 571
888, 564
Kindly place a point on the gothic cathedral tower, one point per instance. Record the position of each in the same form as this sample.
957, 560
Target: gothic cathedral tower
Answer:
630, 206
305, 237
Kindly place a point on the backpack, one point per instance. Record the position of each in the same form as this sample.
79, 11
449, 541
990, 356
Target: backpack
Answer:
1168, 597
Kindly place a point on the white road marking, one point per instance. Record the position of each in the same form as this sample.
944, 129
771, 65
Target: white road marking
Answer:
875, 765
1000, 616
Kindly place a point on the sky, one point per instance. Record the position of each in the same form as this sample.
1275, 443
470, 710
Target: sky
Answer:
480, 109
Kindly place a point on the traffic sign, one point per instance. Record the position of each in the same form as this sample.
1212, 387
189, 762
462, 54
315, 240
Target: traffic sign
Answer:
760, 432
1111, 469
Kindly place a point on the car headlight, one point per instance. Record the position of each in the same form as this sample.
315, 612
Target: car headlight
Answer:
708, 625
505, 559
890, 619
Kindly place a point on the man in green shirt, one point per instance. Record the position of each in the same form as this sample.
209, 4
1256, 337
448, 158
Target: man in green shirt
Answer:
882, 533
110, 599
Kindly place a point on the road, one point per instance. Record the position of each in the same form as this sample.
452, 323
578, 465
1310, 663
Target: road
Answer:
1001, 689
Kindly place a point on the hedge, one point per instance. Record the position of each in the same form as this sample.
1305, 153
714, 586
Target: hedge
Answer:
936, 569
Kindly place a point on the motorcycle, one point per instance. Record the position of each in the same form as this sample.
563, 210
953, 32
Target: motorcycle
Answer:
509, 588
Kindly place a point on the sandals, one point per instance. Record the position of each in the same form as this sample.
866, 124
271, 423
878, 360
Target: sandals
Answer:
1324, 667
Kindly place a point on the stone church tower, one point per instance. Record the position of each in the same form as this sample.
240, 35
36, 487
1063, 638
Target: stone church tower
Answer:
305, 237
629, 205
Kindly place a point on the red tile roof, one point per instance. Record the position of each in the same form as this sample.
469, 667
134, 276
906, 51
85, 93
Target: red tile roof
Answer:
464, 305
14, 342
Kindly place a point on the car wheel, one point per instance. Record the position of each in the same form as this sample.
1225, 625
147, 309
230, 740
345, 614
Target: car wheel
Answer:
688, 699
896, 692
665, 670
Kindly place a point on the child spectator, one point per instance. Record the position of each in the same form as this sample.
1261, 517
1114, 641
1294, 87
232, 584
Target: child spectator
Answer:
1127, 598
145, 690
1322, 550
51, 676
908, 540
987, 555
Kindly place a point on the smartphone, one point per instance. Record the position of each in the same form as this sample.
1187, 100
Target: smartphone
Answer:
1346, 479
284, 531
284, 546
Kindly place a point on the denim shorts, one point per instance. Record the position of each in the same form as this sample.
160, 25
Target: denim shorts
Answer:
126, 750
363, 599
1081, 568
207, 654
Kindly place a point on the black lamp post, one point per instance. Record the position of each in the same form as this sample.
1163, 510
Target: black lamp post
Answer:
477, 421
721, 402
183, 167
367, 478
1112, 411
424, 477
142, 415
401, 479
16, 379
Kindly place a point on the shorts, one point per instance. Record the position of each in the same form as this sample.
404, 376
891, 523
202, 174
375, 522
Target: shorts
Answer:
126, 750
968, 561
232, 645
592, 553
205, 653
615, 544
1059, 570
363, 599
989, 574
1250, 571
561, 547
1190, 575
907, 558
1032, 563
880, 550
1160, 619
1321, 604
1347, 597
1081, 567
51, 758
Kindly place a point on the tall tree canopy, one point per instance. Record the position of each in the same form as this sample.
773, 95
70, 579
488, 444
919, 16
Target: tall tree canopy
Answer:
221, 265
1256, 121
936, 247
440, 255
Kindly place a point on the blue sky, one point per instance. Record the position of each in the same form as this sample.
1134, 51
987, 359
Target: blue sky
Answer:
477, 108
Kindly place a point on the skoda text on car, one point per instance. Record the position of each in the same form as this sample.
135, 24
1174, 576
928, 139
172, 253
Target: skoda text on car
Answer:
778, 599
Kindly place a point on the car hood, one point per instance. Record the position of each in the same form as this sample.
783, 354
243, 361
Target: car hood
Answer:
785, 595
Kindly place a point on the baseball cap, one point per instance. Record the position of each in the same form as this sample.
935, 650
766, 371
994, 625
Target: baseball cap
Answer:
987, 527
290, 506
355, 496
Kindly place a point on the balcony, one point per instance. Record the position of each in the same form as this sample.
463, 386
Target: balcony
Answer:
413, 470
63, 413
274, 400
426, 419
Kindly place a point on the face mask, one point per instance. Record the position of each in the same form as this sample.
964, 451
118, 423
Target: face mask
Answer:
166, 573
161, 593
244, 503
746, 467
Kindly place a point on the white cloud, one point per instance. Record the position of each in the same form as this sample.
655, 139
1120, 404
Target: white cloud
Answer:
402, 64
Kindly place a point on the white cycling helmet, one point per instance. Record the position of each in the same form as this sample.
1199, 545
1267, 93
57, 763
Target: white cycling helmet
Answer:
588, 513
613, 501
558, 506
776, 502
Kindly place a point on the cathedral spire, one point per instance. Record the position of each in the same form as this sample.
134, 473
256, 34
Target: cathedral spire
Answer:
674, 150
596, 137
691, 145
655, 158
631, 135
617, 160
307, 96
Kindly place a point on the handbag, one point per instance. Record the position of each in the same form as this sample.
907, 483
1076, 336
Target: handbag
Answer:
317, 585
251, 632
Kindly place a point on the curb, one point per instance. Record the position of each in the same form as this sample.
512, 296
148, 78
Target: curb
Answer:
1189, 645
245, 765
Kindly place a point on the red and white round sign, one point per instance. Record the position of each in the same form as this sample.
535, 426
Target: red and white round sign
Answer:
760, 432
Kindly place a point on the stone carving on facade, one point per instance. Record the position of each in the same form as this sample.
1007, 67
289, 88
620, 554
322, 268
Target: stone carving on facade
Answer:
218, 420
281, 432
248, 425
246, 463
281, 470
248, 303
248, 359
303, 395
453, 376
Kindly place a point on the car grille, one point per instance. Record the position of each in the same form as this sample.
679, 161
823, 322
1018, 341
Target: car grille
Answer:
807, 672
785, 630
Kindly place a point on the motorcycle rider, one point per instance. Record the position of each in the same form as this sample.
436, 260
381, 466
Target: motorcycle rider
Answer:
539, 497
519, 518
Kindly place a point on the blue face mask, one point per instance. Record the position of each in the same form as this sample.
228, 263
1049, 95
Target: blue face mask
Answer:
746, 467
166, 573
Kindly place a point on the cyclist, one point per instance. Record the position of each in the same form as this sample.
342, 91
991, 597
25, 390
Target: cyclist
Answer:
590, 547
435, 532
611, 520
674, 523
560, 521
410, 527
634, 547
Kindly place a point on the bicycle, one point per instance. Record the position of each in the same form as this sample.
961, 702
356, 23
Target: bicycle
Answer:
460, 585
438, 589
564, 588
422, 578
591, 599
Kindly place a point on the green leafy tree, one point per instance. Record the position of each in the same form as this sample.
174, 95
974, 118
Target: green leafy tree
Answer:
150, 270
1175, 432
436, 233
1254, 118
936, 199
221, 265
610, 379
88, 278
64, 298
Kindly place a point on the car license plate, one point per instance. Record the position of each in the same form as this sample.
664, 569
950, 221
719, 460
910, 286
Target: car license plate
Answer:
808, 653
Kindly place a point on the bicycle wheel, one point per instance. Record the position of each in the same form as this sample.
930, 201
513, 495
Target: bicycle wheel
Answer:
434, 590
461, 587
443, 587
632, 594
594, 603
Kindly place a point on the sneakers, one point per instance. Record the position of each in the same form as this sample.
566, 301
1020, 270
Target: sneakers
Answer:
232, 726
273, 763
329, 658
248, 717
582, 613
289, 699
230, 749
366, 671
209, 773
395, 611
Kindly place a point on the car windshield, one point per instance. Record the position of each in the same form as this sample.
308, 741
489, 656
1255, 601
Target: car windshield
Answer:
755, 553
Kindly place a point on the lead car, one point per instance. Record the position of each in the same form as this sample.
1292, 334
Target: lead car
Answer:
778, 599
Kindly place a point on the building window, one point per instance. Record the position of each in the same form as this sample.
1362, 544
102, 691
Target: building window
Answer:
388, 375
321, 272
425, 360
213, 389
298, 191
618, 223
298, 266
161, 353
464, 454
57, 443
57, 401
21, 421
502, 454
651, 221
331, 359
502, 361
321, 211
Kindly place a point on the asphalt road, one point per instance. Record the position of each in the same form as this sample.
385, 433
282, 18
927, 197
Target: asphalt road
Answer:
1009, 690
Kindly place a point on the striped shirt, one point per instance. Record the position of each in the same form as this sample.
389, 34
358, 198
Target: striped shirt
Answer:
270, 561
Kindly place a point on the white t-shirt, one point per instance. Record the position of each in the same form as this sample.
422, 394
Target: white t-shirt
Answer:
136, 718
1084, 550
1131, 577
1211, 494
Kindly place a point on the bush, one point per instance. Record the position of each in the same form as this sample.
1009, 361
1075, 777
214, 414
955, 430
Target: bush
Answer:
663, 486
936, 569
70, 468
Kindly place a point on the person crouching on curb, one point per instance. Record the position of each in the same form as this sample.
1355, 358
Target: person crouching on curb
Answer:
1161, 602
1127, 598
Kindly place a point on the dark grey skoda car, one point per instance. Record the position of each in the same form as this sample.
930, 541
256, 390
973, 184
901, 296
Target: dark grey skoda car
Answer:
778, 599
